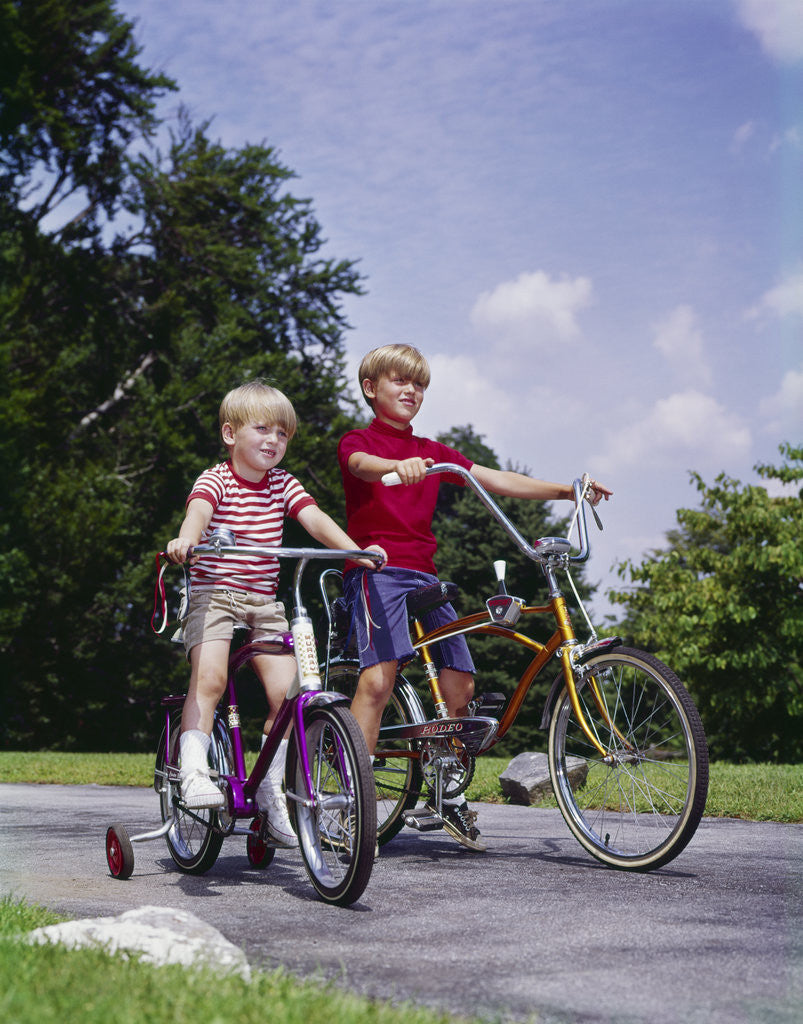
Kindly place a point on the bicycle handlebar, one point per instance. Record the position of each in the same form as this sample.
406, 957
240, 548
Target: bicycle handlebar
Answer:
213, 547
223, 544
550, 545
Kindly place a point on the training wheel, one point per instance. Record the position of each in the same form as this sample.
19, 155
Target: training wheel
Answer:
258, 851
119, 852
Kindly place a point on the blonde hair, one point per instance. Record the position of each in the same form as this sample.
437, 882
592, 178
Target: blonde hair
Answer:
258, 402
388, 360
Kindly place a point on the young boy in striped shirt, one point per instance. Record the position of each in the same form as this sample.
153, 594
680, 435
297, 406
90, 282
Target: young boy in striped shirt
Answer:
249, 495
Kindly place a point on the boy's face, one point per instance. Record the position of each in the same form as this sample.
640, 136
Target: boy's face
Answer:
255, 448
396, 399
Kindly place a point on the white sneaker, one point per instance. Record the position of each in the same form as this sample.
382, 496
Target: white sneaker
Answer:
274, 807
199, 791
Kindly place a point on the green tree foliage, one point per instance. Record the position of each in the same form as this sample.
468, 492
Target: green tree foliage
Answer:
723, 605
72, 98
185, 272
469, 541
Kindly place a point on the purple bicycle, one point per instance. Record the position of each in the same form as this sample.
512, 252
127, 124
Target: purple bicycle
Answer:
329, 782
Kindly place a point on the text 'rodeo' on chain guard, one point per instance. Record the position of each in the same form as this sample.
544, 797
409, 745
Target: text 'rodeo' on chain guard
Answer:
474, 733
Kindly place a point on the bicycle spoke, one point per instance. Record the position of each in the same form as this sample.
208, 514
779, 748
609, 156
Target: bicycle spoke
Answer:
396, 774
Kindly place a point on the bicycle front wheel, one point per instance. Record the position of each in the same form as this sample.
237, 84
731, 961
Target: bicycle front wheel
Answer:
196, 837
396, 768
337, 829
638, 807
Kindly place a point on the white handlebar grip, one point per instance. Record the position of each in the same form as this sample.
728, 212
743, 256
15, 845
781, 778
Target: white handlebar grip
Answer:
391, 479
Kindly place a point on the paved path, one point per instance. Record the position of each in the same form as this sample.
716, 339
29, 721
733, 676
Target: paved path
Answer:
533, 928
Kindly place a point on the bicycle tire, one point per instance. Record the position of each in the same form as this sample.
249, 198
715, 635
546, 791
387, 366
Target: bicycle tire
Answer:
397, 779
336, 836
196, 837
257, 850
119, 852
640, 811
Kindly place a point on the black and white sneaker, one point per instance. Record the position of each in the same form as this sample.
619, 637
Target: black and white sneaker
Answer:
459, 821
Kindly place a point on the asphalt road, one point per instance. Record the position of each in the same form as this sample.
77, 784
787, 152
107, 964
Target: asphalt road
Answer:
534, 928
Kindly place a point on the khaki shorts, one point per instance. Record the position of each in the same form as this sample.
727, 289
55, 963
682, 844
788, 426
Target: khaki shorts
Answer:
214, 615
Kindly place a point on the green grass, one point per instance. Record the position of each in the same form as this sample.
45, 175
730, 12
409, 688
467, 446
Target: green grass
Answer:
758, 792
77, 769
50, 985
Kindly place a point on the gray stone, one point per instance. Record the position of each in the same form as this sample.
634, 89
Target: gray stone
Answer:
526, 779
159, 935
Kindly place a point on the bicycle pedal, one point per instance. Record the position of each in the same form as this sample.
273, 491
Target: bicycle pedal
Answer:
423, 820
489, 702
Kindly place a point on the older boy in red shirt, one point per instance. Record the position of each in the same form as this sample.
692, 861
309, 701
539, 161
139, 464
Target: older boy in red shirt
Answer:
393, 380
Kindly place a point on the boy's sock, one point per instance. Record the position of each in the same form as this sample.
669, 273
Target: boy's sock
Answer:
271, 799
194, 746
272, 783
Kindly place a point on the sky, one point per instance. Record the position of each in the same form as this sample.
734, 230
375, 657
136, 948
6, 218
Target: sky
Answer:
587, 214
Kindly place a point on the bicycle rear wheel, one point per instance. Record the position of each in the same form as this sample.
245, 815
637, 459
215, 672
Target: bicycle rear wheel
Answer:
196, 837
337, 835
640, 809
397, 774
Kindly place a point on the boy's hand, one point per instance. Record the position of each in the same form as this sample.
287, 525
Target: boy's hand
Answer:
597, 492
178, 549
413, 471
369, 563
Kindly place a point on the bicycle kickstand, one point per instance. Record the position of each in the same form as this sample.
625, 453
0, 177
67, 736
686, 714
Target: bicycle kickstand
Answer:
429, 818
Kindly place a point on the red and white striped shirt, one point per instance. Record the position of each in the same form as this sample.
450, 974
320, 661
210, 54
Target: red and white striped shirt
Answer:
255, 514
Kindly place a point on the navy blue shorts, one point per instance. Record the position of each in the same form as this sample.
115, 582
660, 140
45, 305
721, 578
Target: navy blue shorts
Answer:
377, 601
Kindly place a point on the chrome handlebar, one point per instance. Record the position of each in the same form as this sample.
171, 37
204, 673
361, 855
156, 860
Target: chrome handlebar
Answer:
543, 548
223, 543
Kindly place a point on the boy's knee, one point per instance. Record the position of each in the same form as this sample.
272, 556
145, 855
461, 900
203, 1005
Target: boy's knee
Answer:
376, 681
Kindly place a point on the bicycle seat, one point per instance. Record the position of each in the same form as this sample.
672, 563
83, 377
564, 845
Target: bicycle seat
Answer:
421, 601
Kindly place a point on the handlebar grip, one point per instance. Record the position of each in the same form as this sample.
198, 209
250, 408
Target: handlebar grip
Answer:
391, 479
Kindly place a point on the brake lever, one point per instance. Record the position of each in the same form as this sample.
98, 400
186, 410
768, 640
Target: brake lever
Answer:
597, 519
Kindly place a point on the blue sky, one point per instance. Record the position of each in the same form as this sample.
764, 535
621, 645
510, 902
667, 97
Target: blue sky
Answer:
586, 213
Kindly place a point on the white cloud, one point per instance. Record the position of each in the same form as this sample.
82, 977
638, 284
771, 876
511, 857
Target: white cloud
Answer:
784, 409
792, 138
778, 24
688, 427
680, 341
742, 136
778, 489
533, 307
459, 394
517, 416
783, 300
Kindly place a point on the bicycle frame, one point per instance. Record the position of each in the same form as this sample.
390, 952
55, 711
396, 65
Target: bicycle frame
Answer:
306, 690
558, 642
552, 554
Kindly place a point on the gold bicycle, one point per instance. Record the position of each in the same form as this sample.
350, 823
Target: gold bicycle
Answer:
628, 758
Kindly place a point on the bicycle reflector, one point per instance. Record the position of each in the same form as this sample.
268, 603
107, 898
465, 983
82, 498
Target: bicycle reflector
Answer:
504, 609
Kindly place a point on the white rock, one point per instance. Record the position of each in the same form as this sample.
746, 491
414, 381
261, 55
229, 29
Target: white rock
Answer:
159, 935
